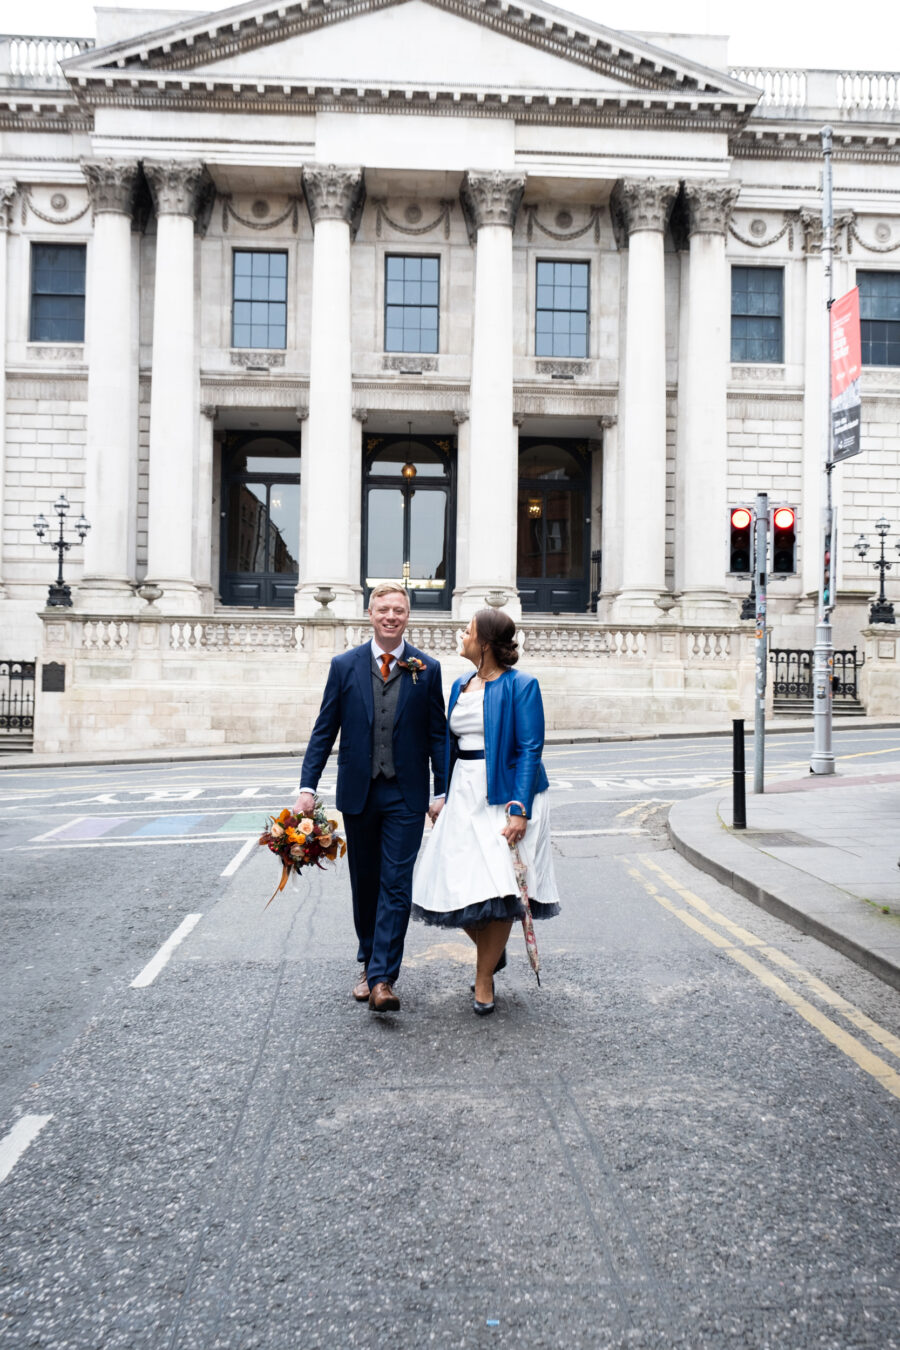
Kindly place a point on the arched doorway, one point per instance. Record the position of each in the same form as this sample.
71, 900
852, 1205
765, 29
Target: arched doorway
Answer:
553, 541
408, 517
260, 519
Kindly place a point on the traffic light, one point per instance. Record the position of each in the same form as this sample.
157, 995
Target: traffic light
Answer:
784, 540
740, 545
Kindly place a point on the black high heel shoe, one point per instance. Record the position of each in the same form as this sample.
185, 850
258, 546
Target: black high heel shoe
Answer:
483, 1009
501, 965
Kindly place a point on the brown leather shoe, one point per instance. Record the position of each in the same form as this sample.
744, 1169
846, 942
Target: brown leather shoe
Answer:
383, 998
360, 990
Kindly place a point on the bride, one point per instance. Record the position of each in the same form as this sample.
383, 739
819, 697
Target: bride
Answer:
497, 798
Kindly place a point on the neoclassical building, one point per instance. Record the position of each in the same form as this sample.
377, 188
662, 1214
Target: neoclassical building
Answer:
512, 307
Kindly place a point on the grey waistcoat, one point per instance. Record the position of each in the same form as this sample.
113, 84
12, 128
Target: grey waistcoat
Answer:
385, 694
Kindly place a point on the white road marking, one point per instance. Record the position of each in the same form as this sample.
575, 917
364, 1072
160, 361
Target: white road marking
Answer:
14, 1144
238, 859
56, 828
580, 834
131, 843
155, 965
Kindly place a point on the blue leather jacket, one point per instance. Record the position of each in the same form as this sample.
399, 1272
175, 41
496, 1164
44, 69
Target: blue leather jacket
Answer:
513, 738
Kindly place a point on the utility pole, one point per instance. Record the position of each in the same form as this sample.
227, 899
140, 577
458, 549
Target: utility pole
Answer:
760, 558
822, 759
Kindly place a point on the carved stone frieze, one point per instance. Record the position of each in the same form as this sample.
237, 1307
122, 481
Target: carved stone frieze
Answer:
641, 204
710, 203
112, 184
491, 199
256, 359
758, 374
409, 363
334, 192
178, 186
562, 370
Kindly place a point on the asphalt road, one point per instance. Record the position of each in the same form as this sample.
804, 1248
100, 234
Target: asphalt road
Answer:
683, 1139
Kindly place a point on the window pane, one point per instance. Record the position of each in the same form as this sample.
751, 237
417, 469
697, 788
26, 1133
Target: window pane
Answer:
429, 269
284, 527
57, 292
384, 558
246, 548
757, 312
278, 265
411, 303
564, 534
562, 309
242, 264
412, 293
426, 535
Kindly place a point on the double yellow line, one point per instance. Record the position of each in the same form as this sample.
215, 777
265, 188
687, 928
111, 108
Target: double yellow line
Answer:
738, 943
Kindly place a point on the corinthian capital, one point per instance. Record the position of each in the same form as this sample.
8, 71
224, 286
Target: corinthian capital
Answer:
111, 183
710, 203
178, 186
642, 204
491, 198
334, 192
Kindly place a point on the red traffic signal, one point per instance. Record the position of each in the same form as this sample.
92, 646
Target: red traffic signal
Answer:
740, 530
784, 540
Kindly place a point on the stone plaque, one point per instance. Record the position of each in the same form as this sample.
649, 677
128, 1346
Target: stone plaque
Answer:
53, 677
887, 649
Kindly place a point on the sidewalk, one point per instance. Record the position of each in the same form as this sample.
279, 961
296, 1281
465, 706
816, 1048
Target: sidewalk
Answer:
187, 754
820, 852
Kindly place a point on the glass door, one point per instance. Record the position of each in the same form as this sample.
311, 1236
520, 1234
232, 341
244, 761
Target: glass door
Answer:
407, 518
553, 541
260, 521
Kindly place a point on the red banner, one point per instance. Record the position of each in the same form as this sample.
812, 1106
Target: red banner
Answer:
846, 361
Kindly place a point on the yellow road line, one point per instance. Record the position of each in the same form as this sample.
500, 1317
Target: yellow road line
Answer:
868, 754
885, 1038
631, 810
870, 1063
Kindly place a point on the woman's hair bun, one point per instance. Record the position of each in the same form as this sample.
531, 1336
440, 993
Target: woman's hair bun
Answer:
496, 628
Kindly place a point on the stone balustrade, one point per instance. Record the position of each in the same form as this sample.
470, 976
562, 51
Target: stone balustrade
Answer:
846, 91
156, 680
35, 60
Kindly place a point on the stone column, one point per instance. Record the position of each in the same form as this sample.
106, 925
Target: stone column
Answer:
330, 463
490, 202
611, 518
642, 206
177, 187
111, 449
205, 524
702, 446
7, 198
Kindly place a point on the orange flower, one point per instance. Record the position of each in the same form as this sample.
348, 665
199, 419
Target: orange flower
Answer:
284, 817
295, 836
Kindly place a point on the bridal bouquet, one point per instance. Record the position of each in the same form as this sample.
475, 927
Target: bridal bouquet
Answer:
302, 841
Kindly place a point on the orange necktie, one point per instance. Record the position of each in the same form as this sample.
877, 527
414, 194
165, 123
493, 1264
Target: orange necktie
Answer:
386, 659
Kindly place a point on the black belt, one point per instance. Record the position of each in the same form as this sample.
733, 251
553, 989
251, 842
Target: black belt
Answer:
470, 754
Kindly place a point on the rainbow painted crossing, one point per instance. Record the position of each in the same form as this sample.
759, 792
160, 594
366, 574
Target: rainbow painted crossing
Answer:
103, 829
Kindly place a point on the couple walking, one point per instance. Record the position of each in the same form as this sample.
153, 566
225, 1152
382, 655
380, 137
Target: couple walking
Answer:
385, 699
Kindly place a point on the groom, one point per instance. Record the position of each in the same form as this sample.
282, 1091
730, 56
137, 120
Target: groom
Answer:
391, 720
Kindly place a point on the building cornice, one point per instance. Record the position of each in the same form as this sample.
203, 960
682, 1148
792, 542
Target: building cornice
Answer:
187, 44
859, 142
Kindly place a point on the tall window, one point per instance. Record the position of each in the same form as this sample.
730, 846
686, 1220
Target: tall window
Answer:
260, 299
57, 292
561, 328
757, 314
411, 303
879, 317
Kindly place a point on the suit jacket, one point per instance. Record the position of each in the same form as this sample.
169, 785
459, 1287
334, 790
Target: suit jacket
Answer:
420, 729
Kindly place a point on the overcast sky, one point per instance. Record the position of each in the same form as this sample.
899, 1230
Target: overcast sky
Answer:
762, 32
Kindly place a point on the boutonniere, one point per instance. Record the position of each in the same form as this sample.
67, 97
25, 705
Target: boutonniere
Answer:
413, 665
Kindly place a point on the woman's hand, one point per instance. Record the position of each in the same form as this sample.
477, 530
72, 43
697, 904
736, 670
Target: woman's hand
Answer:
515, 829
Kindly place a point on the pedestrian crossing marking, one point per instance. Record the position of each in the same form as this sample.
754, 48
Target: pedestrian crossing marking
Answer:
169, 825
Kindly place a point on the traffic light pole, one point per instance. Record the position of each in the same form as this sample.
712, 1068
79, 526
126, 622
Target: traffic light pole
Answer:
822, 758
760, 556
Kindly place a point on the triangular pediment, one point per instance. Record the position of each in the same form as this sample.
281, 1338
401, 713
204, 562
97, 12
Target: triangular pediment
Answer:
489, 49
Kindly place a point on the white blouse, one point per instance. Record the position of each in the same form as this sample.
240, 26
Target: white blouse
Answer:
467, 720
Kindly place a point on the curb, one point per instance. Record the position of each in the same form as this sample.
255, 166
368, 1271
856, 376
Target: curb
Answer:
27, 760
811, 906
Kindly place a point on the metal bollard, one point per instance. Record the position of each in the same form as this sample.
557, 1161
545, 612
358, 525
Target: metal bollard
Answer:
739, 800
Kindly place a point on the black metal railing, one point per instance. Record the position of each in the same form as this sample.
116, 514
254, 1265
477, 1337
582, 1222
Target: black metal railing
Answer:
596, 561
794, 672
16, 698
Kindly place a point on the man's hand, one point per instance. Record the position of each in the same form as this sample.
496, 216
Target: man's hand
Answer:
515, 829
435, 809
305, 804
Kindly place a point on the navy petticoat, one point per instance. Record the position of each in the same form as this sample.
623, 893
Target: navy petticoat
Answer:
484, 912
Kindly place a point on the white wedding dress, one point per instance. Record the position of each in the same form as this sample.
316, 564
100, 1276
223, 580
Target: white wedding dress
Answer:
464, 876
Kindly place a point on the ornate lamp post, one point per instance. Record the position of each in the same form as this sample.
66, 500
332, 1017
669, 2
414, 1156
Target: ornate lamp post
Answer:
882, 611
59, 593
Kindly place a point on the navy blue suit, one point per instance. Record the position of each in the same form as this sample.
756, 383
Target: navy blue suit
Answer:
384, 817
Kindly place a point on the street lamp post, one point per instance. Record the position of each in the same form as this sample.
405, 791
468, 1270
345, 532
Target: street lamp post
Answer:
59, 592
881, 611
